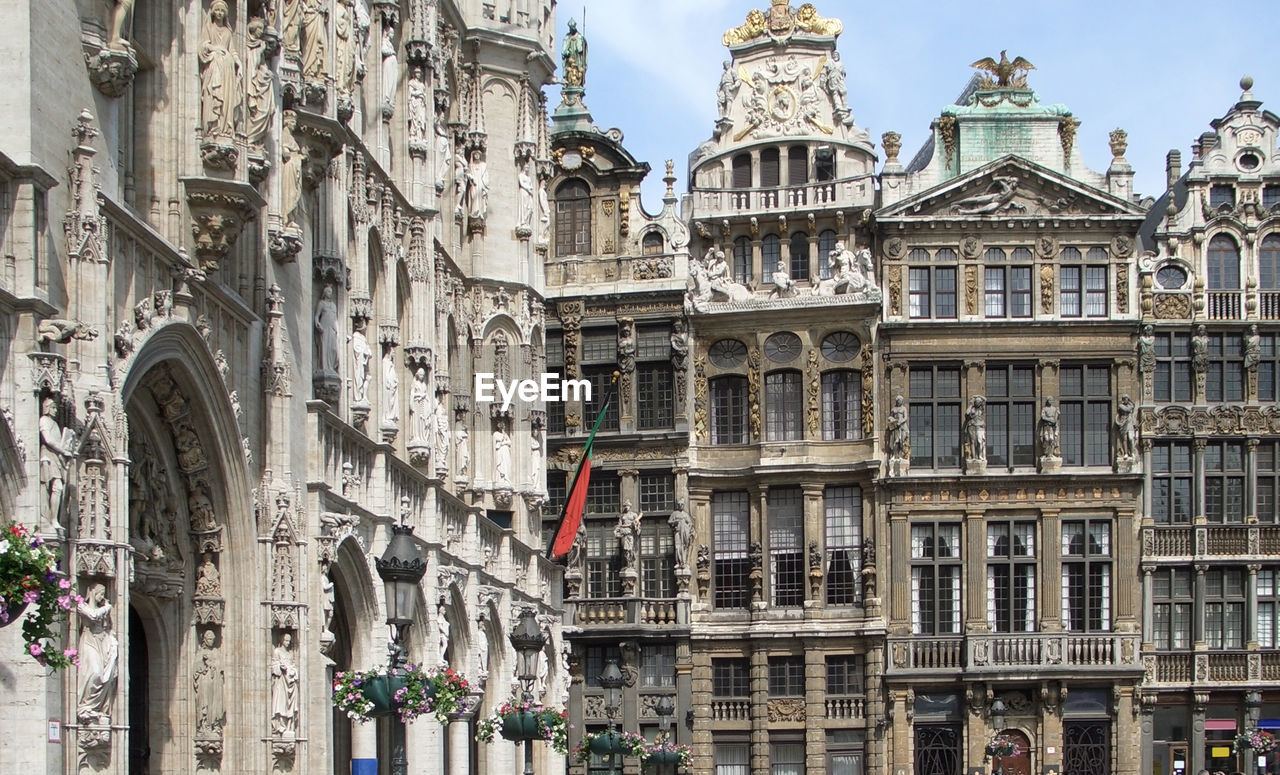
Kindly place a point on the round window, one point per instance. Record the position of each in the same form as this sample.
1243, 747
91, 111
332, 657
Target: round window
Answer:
840, 347
782, 347
728, 353
1170, 277
1249, 161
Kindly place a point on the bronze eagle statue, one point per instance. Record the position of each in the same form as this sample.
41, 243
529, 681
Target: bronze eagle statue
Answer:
1005, 71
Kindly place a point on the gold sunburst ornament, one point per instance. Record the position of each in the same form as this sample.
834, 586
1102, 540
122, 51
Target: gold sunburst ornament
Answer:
1008, 74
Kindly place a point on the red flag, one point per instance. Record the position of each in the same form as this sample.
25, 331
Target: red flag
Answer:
576, 505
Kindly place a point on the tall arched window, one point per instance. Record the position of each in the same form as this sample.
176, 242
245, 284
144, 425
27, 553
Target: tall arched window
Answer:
783, 406
742, 260
826, 244
573, 218
742, 170
799, 256
841, 405
729, 410
770, 252
1223, 264
1269, 263
770, 172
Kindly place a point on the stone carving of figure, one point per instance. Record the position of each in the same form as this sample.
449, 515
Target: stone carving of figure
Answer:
440, 420
524, 215
682, 531
679, 346
460, 187
1126, 429
868, 268
627, 532
443, 145
627, 347
326, 324
315, 35
442, 628
293, 29
420, 408
220, 86
729, 85
361, 354
544, 214
121, 25
1252, 348
832, 77
975, 430
462, 442
544, 672
99, 663
478, 186
535, 455
390, 389
55, 454
208, 580
417, 111
576, 558
344, 46
1147, 349
291, 158
899, 430
209, 680
260, 104
502, 455
200, 509
390, 69
574, 56
1049, 429
284, 689
783, 286
1200, 349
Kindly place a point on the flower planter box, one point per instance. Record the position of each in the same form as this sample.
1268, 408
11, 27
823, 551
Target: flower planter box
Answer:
521, 726
15, 613
661, 758
381, 691
606, 744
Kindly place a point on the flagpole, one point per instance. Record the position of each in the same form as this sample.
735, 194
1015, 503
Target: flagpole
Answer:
582, 460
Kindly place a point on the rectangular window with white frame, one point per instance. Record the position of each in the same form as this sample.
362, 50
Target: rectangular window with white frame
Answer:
935, 579
1086, 575
1011, 576
786, 545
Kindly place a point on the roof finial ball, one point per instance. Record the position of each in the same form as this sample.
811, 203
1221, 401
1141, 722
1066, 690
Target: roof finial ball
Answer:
1246, 83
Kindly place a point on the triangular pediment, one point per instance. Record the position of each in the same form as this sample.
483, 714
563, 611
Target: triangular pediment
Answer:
1011, 187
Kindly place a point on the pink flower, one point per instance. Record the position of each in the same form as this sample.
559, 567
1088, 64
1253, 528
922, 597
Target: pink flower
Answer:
64, 602
36, 649
30, 596
64, 583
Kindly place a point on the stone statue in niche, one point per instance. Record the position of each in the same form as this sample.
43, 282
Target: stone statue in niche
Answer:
682, 531
291, 158
1049, 429
462, 442
293, 29
833, 81
361, 356
284, 689
390, 389
460, 187
1147, 350
443, 157
442, 629
478, 186
627, 531
418, 112
544, 214
208, 579
1200, 350
55, 454
535, 455
221, 87
898, 432
421, 408
524, 213
260, 104
209, 681
441, 437
1126, 429
315, 36
99, 658
390, 68
502, 456
975, 431
326, 325
344, 47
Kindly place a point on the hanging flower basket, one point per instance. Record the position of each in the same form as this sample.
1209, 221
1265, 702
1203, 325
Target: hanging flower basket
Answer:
663, 754
1255, 740
518, 721
29, 575
1000, 745
607, 743
406, 691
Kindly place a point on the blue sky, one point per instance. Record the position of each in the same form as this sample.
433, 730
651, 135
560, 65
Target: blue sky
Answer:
1160, 70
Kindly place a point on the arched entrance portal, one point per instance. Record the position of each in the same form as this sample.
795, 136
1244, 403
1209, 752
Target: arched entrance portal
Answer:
192, 587
1019, 764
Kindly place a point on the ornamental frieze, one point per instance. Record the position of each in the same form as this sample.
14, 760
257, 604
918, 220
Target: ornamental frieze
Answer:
1218, 421
960, 497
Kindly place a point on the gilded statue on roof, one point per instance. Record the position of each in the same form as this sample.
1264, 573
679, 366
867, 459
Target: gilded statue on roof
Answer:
780, 23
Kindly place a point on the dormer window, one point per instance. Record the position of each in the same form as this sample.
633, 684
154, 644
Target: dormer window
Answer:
651, 245
1222, 195
573, 218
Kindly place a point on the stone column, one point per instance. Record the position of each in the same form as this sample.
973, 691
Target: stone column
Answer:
759, 712
1145, 444
459, 734
1148, 607
1197, 468
1196, 744
1251, 480
815, 692
364, 749
1125, 547
1197, 609
761, 590
1051, 570
1251, 609
975, 569
900, 572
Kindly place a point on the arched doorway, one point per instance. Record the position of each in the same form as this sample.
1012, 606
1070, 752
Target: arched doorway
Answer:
139, 694
1015, 765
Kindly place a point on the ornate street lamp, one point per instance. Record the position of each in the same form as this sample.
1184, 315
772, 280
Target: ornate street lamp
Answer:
528, 640
611, 681
997, 723
401, 567
1253, 714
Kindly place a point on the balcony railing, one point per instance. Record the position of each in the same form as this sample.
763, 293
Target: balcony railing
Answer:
999, 652
731, 710
1184, 541
625, 610
1239, 667
711, 202
846, 707
1224, 305
1269, 305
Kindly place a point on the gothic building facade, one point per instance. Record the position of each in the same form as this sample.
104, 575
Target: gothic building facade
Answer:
257, 251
